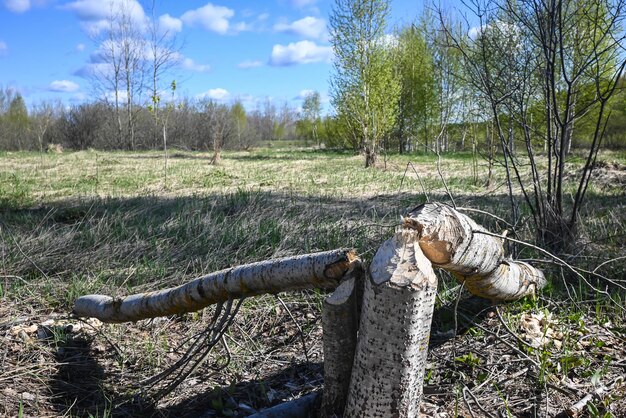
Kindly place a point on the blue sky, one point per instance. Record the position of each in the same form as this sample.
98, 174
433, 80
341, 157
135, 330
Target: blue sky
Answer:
231, 49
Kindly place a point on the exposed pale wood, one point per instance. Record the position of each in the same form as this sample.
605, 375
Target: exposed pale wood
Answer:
319, 270
449, 239
390, 358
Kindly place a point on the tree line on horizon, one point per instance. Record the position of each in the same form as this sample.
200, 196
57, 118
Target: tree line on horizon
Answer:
433, 85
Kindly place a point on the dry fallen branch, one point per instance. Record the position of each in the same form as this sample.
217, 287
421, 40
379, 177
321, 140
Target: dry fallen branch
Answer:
318, 270
579, 407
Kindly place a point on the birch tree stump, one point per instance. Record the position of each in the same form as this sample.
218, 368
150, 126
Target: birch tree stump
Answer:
339, 327
390, 358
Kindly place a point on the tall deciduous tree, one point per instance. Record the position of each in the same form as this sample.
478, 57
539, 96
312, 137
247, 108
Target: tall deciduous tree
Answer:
364, 90
43, 115
311, 109
164, 54
17, 121
217, 117
240, 122
417, 85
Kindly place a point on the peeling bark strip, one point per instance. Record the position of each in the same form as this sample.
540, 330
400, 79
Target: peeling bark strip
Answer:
318, 270
453, 242
395, 325
339, 326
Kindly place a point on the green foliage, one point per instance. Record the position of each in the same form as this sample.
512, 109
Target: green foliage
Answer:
17, 113
309, 125
364, 90
418, 95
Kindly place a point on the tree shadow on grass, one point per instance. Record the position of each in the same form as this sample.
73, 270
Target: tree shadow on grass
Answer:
248, 397
76, 387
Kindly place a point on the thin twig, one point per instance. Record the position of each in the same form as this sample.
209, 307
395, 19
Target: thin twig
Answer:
466, 389
506, 326
22, 252
306, 351
485, 213
103, 335
419, 178
502, 340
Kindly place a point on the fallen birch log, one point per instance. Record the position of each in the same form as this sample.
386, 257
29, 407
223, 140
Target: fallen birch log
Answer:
301, 407
319, 270
454, 242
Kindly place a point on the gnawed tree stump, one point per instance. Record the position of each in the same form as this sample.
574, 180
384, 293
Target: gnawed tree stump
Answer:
390, 358
384, 361
319, 270
339, 327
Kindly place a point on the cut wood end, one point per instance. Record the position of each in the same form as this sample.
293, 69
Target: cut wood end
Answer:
438, 252
408, 222
96, 306
512, 280
401, 262
342, 293
339, 268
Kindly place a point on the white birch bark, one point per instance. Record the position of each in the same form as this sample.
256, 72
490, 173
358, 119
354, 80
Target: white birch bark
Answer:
390, 358
339, 326
454, 242
319, 270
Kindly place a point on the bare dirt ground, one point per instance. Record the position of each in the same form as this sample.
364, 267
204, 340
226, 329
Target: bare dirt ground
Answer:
488, 366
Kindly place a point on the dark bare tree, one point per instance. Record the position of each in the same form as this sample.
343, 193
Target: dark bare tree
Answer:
545, 66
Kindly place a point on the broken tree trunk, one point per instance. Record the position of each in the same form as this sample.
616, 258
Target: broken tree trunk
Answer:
339, 327
390, 358
320, 270
454, 242
386, 369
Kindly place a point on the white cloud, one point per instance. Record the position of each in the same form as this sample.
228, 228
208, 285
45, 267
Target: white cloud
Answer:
94, 69
80, 47
4, 49
17, 6
304, 93
210, 17
79, 98
308, 27
474, 31
388, 41
242, 27
94, 13
97, 9
497, 27
249, 64
218, 94
63, 86
109, 96
191, 65
168, 23
303, 52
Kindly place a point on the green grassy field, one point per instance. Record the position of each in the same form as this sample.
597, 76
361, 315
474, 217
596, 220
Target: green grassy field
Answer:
111, 222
